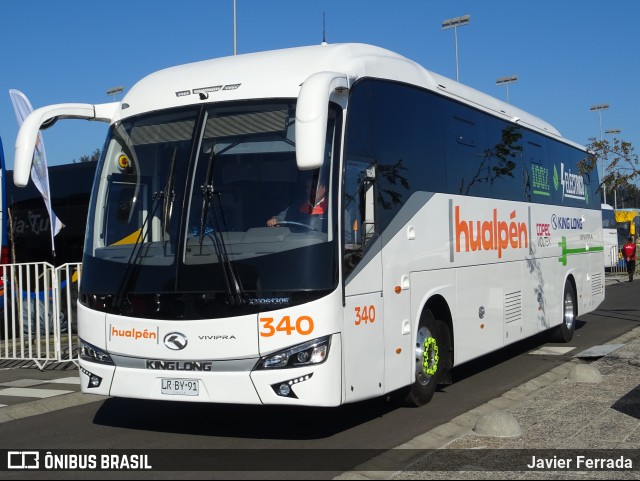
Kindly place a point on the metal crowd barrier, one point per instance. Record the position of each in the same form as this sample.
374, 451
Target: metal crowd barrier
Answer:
39, 313
619, 267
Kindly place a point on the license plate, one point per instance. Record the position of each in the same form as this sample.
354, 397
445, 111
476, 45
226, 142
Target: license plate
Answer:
185, 387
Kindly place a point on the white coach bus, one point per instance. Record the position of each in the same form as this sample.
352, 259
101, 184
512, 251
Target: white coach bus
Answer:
609, 236
321, 225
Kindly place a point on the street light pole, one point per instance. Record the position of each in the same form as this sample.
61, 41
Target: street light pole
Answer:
455, 23
615, 191
599, 108
115, 91
506, 81
235, 35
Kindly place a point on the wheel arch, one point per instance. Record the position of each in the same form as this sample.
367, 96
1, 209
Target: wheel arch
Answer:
439, 307
564, 331
570, 278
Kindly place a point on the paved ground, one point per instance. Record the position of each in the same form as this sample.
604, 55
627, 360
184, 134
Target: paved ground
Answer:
576, 415
26, 390
566, 410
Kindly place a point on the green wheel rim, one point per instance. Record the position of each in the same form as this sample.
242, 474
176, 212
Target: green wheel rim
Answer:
426, 356
430, 355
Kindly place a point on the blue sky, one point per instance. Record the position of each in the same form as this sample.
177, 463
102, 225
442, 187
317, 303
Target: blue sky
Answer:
568, 54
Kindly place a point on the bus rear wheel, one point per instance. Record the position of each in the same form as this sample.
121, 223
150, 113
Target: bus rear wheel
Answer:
432, 360
564, 332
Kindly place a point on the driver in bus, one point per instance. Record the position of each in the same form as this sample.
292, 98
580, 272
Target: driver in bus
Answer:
309, 210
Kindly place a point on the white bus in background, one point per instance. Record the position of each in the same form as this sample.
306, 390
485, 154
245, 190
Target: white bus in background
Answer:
4, 238
438, 225
609, 236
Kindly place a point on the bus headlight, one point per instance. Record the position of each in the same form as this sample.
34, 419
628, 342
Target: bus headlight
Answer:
89, 352
307, 354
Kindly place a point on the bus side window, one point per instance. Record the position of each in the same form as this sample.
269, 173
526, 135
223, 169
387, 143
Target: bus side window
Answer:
359, 210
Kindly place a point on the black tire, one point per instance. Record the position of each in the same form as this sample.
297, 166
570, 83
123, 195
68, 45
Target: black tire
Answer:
433, 360
564, 332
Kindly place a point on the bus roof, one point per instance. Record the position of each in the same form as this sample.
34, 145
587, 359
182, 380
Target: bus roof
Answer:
279, 74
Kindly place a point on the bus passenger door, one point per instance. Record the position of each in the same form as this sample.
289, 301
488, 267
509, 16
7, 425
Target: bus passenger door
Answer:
362, 276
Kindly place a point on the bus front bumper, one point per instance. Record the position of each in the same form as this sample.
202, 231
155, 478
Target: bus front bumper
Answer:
313, 385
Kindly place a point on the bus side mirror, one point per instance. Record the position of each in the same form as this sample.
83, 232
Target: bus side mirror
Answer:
45, 117
126, 202
368, 204
312, 112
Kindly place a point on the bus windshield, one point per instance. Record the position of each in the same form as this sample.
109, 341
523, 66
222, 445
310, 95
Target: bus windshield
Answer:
209, 203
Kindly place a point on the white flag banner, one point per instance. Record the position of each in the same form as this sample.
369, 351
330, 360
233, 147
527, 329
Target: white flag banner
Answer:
39, 172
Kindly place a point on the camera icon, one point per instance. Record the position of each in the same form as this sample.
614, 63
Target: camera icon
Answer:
23, 460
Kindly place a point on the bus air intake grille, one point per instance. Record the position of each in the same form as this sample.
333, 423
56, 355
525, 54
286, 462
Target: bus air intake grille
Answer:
597, 285
513, 306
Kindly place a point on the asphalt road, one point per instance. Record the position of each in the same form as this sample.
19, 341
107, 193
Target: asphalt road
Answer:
116, 424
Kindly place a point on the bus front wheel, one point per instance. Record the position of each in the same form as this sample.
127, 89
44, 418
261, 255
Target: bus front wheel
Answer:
564, 332
432, 359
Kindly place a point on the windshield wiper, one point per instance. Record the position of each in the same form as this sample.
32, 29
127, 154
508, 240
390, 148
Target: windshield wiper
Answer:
207, 193
207, 189
136, 252
169, 195
165, 196
233, 287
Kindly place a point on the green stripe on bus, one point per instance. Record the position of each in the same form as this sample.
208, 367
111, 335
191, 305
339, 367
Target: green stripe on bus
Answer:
578, 250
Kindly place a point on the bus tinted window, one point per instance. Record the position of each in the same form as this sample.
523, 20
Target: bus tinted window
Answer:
420, 141
399, 127
608, 218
